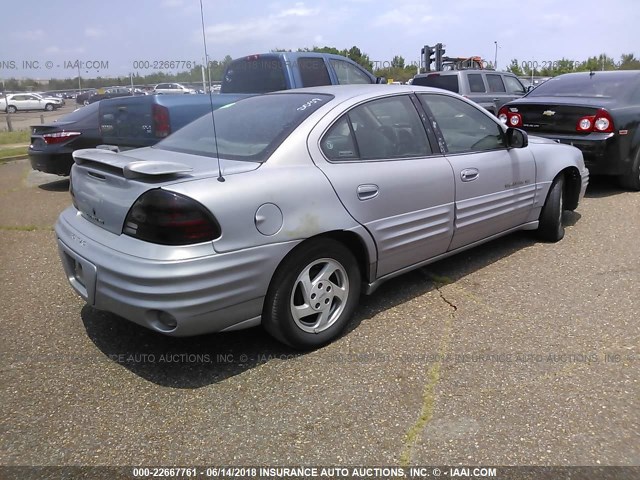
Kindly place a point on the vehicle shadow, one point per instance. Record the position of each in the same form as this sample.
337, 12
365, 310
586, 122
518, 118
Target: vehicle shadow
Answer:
56, 186
195, 362
603, 186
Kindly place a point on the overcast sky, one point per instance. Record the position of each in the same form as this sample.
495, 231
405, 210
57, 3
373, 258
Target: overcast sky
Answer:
123, 32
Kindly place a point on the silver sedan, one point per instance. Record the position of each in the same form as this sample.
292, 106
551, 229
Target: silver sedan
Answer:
281, 209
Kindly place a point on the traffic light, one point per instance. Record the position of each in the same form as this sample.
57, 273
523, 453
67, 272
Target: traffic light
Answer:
439, 54
428, 57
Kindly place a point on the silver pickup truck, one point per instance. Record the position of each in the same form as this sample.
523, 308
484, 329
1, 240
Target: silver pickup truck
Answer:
488, 88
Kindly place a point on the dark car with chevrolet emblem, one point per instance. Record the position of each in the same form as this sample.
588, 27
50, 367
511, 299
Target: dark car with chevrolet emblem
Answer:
597, 112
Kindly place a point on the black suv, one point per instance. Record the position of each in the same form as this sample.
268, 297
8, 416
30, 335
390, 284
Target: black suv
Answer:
488, 88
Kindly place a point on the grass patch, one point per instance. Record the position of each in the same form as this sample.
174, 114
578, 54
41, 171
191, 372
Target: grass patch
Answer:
12, 152
22, 136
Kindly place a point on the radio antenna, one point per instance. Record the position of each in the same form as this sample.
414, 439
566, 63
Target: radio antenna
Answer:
213, 120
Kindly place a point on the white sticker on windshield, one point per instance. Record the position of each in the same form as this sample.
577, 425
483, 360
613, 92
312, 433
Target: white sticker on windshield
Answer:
304, 106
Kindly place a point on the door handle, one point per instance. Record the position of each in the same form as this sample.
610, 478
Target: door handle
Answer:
469, 174
496, 99
367, 192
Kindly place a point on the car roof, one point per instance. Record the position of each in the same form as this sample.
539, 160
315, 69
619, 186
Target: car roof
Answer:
456, 72
344, 92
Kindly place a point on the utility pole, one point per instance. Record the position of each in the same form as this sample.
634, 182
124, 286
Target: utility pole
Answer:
495, 58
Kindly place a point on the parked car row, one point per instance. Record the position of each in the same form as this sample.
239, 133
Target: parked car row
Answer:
138, 121
14, 102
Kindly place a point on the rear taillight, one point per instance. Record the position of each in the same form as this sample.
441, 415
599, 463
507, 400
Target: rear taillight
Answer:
510, 117
59, 137
161, 125
168, 218
600, 122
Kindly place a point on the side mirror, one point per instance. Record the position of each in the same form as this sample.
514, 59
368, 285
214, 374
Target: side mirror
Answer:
381, 80
517, 138
529, 88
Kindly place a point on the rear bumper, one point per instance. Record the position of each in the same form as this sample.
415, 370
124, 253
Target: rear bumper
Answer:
601, 152
209, 293
57, 163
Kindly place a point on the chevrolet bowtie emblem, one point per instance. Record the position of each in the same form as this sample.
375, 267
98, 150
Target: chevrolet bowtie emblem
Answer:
549, 113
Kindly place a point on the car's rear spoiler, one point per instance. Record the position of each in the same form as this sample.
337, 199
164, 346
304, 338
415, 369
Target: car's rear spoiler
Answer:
131, 167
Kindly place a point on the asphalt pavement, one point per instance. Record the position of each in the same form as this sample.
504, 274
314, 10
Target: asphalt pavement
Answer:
513, 353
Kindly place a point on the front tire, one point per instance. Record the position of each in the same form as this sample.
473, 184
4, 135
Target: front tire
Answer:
312, 294
550, 228
48, 107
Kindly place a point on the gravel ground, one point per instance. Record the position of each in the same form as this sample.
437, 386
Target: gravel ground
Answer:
514, 353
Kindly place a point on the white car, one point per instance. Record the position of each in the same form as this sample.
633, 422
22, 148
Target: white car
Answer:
164, 88
30, 101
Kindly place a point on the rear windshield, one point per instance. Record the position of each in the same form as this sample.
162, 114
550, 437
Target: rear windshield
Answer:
80, 113
447, 82
596, 85
251, 75
248, 130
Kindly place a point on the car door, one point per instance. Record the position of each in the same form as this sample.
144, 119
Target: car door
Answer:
383, 168
495, 185
497, 89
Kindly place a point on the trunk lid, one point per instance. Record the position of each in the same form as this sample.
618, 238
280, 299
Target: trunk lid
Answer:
556, 115
104, 184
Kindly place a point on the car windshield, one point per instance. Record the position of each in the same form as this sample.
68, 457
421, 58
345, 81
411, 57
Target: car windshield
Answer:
248, 130
585, 85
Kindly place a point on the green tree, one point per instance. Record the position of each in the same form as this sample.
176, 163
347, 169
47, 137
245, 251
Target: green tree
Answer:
397, 62
629, 62
514, 67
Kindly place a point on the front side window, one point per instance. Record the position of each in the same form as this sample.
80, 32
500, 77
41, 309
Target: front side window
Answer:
514, 85
248, 130
464, 127
380, 129
347, 73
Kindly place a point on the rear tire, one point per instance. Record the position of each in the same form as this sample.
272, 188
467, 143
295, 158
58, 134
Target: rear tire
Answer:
11, 109
631, 180
550, 228
312, 295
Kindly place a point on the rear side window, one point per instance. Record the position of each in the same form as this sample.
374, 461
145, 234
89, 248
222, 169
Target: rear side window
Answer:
447, 82
313, 72
348, 74
476, 84
495, 83
388, 128
254, 75
514, 85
